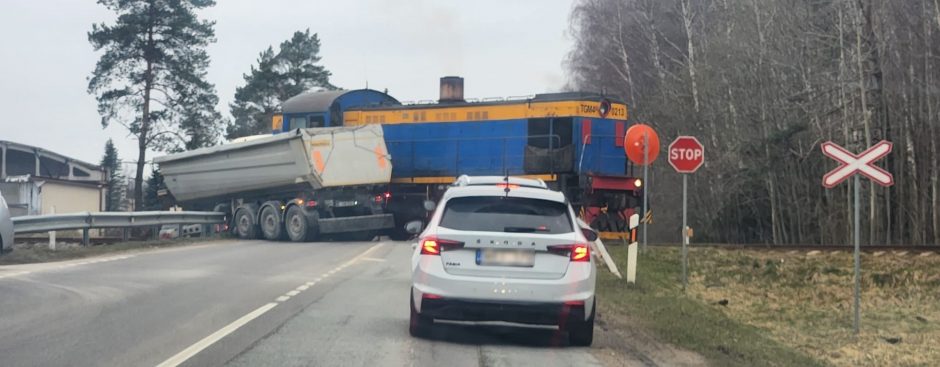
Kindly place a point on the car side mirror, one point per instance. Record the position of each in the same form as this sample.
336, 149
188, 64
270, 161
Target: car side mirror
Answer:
429, 205
414, 227
589, 234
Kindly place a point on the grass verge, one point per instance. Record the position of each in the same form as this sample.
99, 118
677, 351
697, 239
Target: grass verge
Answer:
804, 299
657, 303
38, 253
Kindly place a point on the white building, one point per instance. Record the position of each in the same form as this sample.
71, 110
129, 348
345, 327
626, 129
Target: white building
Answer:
34, 180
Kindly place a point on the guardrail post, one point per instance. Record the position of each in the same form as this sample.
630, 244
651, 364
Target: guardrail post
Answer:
155, 235
85, 237
52, 233
126, 235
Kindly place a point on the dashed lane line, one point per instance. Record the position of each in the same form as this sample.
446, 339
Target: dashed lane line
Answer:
216, 336
67, 265
199, 346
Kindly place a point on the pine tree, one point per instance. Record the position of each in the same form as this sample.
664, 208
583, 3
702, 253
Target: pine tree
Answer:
116, 185
152, 191
151, 77
293, 70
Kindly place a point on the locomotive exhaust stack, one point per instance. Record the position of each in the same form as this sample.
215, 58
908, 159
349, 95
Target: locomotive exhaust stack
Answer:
451, 89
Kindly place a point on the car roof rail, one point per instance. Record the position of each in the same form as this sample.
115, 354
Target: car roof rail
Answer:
467, 180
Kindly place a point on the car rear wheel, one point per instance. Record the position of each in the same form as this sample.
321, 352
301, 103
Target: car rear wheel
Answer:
420, 325
581, 332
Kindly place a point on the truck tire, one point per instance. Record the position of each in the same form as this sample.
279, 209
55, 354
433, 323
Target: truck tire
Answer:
271, 225
300, 226
245, 223
400, 234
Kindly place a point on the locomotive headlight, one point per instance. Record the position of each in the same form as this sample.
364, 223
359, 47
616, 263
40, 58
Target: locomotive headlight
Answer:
638, 183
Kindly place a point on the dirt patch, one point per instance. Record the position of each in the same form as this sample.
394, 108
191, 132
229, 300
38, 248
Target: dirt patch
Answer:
620, 340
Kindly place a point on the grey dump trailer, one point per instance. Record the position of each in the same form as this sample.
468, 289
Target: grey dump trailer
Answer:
296, 185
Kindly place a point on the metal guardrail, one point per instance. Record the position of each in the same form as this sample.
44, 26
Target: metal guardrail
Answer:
86, 220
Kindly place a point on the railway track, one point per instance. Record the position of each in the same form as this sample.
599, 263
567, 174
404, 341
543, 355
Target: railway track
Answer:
864, 248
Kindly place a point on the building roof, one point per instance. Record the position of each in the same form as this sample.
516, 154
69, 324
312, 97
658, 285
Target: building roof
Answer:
46, 153
312, 101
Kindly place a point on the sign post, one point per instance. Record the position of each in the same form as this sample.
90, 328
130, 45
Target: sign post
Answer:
641, 143
686, 155
852, 165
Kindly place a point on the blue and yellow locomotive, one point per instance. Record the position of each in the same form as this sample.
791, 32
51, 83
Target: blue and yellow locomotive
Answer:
573, 141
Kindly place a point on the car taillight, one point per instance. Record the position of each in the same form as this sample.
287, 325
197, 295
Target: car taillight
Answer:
310, 203
434, 245
576, 252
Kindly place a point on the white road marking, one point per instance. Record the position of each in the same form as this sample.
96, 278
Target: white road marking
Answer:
16, 274
194, 349
302, 288
373, 259
214, 337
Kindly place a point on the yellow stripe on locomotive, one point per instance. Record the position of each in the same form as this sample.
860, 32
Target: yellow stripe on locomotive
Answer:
483, 112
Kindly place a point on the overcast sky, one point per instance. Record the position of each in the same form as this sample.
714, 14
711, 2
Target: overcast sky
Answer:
501, 48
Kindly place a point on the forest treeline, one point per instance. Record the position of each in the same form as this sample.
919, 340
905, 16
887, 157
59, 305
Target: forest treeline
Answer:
762, 83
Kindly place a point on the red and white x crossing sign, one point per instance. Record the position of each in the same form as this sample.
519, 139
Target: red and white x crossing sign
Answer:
861, 163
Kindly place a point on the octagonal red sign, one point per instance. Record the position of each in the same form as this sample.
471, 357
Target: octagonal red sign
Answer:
686, 154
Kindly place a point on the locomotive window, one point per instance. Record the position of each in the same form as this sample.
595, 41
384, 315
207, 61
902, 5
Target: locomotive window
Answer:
316, 121
298, 123
556, 129
538, 133
562, 129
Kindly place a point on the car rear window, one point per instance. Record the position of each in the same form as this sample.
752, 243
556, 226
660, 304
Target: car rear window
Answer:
506, 214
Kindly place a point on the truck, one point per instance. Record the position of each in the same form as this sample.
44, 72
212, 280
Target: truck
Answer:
574, 141
300, 185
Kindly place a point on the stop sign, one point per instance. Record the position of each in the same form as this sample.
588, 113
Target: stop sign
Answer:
686, 154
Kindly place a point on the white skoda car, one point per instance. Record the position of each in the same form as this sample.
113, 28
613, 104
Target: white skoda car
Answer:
504, 249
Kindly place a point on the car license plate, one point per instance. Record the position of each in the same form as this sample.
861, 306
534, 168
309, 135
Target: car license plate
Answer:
342, 204
501, 257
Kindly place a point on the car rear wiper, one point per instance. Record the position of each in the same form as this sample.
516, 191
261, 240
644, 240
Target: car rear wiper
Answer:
525, 229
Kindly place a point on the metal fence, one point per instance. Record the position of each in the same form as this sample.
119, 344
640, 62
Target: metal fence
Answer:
85, 221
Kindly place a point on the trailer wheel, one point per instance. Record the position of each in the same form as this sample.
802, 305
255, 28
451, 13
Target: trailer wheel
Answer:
300, 226
271, 226
245, 226
399, 233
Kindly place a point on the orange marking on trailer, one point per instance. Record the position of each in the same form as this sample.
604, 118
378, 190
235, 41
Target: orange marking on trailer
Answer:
380, 156
318, 161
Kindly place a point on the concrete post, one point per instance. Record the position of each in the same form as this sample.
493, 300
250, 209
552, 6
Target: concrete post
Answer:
52, 233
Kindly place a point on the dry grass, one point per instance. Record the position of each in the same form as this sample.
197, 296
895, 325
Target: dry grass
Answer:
804, 301
656, 308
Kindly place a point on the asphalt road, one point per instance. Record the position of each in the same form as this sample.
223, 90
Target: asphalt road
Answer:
246, 303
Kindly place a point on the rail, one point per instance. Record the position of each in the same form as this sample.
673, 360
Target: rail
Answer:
85, 221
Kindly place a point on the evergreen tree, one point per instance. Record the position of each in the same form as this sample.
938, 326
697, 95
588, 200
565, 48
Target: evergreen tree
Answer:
116, 185
152, 191
293, 70
151, 77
